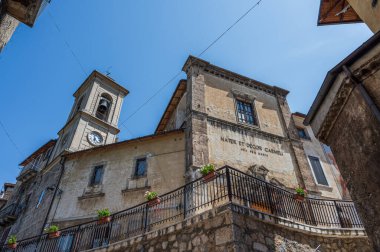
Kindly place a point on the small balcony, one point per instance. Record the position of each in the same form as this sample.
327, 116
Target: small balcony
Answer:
9, 214
28, 172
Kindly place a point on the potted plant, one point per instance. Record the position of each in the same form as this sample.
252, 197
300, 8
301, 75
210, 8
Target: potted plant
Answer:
152, 198
208, 172
53, 231
104, 216
300, 194
12, 242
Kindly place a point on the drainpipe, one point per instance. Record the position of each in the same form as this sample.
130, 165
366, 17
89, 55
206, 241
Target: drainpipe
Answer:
363, 91
62, 163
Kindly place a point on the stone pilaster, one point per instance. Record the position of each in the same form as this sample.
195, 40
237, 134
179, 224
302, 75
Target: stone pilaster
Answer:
302, 168
197, 153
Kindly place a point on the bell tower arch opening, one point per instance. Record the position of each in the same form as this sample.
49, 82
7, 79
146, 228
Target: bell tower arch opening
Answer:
94, 117
104, 107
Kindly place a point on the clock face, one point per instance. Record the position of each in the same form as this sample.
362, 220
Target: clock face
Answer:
95, 138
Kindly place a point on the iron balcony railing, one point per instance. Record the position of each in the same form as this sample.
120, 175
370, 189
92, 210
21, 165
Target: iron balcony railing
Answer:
229, 186
9, 213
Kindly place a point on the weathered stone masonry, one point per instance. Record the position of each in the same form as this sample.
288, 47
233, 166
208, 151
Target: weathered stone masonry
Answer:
235, 228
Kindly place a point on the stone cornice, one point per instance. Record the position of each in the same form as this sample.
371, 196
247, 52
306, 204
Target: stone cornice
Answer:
253, 131
335, 109
88, 116
95, 74
363, 72
231, 76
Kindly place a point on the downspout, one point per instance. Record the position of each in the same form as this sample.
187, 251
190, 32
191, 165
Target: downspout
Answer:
62, 163
363, 91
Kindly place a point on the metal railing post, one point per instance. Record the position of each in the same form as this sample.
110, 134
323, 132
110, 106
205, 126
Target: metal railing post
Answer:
269, 198
146, 217
75, 244
184, 202
229, 188
337, 211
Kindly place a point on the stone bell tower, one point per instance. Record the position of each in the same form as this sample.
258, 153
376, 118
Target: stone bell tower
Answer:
94, 116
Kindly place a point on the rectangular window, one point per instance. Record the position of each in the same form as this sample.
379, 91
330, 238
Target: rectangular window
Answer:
65, 243
245, 112
302, 133
318, 171
40, 198
97, 175
141, 166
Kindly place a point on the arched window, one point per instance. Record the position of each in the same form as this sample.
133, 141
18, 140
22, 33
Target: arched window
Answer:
79, 104
104, 107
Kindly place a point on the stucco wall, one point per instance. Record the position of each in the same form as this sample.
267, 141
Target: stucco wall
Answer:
313, 148
119, 190
220, 103
369, 14
243, 148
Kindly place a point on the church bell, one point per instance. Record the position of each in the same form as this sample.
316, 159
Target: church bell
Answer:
103, 105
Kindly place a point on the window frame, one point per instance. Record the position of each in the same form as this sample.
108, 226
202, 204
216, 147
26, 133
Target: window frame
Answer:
253, 108
307, 137
135, 175
93, 173
309, 159
41, 198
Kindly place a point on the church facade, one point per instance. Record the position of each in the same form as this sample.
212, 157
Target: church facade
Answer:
214, 116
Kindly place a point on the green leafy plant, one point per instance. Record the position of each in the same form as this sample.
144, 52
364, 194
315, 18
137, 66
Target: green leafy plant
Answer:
12, 239
300, 191
150, 195
206, 169
103, 213
52, 229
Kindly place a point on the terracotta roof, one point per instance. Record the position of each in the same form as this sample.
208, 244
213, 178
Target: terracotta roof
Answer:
299, 114
176, 97
336, 12
134, 140
35, 154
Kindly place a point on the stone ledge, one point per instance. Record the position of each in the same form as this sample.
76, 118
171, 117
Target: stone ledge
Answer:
91, 195
127, 190
301, 227
221, 226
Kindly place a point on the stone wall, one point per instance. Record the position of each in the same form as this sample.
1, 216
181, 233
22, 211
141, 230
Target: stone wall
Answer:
32, 217
354, 139
8, 25
234, 228
120, 189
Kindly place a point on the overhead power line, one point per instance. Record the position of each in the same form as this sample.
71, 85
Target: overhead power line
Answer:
67, 43
200, 54
11, 139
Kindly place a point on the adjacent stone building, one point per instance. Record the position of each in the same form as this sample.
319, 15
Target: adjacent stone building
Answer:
346, 111
214, 116
346, 116
12, 12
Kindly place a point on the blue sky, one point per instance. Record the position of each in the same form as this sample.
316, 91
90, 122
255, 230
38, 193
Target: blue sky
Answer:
143, 44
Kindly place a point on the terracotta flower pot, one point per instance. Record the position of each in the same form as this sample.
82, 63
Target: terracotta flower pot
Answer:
299, 198
12, 246
154, 201
105, 219
54, 234
210, 176
261, 207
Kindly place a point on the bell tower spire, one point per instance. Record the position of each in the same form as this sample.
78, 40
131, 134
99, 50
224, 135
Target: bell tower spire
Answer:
94, 116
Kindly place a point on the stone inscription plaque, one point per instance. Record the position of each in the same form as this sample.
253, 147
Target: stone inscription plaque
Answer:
252, 148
